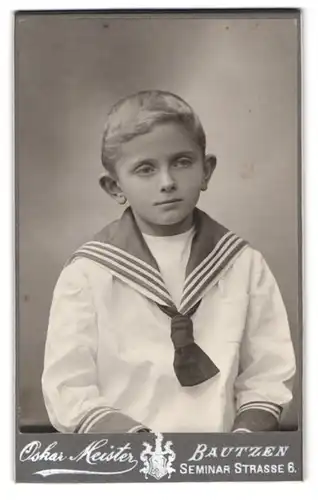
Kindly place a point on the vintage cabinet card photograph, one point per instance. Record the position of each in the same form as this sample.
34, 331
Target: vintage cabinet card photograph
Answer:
158, 246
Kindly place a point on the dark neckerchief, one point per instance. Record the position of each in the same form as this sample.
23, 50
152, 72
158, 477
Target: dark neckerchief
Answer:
121, 248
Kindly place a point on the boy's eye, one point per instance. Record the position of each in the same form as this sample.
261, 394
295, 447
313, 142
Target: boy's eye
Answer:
145, 169
183, 162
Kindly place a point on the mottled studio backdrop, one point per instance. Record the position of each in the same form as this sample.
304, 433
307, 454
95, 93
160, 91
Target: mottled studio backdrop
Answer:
241, 77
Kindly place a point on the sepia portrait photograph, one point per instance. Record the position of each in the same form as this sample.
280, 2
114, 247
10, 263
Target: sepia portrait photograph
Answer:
158, 223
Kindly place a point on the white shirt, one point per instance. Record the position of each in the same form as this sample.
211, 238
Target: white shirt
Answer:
109, 346
172, 255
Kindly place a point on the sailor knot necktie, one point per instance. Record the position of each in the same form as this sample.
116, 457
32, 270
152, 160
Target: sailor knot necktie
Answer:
181, 331
191, 364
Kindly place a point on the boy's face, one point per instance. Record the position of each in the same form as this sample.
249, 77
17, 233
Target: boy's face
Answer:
161, 173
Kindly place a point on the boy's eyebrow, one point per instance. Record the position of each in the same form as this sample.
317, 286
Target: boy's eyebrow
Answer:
173, 156
183, 153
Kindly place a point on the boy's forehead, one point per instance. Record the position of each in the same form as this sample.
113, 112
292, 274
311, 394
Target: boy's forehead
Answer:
163, 139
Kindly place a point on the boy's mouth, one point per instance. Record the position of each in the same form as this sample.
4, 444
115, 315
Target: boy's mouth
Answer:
168, 202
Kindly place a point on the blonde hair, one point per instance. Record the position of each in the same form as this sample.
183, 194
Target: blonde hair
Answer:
138, 113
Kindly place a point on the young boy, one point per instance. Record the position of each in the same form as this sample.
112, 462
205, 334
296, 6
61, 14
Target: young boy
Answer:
166, 320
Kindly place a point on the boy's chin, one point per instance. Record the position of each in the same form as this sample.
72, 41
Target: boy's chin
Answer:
171, 225
172, 222
168, 222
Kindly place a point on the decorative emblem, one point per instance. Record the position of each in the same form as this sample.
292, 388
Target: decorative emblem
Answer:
157, 463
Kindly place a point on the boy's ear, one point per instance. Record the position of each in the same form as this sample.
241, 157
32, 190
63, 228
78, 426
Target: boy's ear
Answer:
209, 167
110, 185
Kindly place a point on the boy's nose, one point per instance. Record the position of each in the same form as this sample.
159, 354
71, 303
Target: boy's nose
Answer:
167, 182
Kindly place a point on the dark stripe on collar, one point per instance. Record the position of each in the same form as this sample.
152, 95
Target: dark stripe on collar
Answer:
126, 235
127, 276
109, 254
212, 276
224, 242
123, 254
212, 263
208, 233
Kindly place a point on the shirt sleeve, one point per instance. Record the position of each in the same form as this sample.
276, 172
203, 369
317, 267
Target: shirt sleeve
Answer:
267, 361
69, 380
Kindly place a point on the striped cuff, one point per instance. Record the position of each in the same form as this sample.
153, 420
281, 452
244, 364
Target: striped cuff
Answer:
257, 416
139, 428
241, 429
107, 420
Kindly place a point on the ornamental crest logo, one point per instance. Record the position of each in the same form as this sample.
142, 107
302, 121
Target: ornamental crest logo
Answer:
157, 462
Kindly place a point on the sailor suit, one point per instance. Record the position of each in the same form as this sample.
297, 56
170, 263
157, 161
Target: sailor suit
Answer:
110, 363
